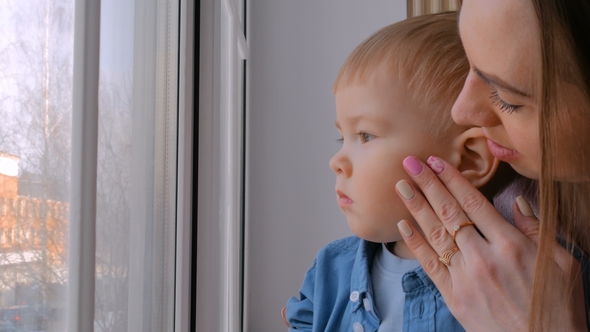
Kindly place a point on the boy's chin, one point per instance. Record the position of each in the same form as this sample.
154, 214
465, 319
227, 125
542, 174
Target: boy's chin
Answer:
385, 235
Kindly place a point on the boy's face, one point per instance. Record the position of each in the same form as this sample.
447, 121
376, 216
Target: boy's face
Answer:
379, 128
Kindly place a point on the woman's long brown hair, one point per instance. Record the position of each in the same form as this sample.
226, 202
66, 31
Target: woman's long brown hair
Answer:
565, 54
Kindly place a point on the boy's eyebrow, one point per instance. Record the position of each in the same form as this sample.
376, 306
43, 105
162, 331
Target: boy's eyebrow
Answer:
499, 83
351, 120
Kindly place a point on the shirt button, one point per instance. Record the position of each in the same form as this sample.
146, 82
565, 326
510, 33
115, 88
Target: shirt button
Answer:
354, 296
357, 327
367, 304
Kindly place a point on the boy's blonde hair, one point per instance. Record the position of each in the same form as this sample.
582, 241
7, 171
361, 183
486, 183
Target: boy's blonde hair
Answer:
424, 51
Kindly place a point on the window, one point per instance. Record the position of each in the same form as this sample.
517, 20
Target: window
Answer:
89, 207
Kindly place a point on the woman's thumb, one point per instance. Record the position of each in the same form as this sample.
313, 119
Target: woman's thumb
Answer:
525, 220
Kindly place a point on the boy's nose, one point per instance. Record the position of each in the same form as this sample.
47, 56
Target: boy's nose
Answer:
340, 164
473, 107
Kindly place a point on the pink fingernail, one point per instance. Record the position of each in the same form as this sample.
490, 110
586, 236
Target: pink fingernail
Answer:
435, 164
413, 165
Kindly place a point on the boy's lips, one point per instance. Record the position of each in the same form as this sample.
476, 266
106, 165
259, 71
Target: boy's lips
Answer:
343, 200
501, 152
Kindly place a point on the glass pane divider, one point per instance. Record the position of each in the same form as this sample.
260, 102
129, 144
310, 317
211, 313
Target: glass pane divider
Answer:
186, 160
82, 227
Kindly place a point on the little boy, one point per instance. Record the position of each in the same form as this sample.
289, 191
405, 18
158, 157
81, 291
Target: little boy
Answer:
394, 96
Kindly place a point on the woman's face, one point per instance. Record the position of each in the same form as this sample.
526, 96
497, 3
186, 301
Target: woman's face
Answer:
501, 40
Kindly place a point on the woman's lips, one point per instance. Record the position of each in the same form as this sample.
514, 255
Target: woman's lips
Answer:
343, 200
501, 152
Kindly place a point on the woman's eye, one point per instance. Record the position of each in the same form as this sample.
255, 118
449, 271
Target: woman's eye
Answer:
501, 104
365, 137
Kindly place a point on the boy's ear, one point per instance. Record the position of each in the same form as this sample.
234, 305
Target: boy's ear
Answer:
473, 158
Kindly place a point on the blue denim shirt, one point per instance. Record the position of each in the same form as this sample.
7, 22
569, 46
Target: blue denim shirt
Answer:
337, 295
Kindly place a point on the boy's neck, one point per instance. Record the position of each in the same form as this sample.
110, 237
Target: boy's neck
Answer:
400, 249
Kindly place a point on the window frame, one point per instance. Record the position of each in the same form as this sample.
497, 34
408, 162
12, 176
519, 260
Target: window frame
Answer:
82, 230
187, 137
219, 269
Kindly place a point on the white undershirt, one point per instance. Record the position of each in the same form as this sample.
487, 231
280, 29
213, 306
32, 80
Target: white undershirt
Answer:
386, 275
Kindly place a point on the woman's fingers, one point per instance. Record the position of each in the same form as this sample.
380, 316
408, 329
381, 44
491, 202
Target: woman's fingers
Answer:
528, 224
492, 275
436, 234
427, 257
472, 202
525, 220
437, 206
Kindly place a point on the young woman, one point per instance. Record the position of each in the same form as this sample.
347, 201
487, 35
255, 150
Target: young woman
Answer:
529, 88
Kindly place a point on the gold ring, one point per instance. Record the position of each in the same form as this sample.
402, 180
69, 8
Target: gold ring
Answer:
446, 256
458, 227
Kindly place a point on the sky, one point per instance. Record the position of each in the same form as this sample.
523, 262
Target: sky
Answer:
23, 21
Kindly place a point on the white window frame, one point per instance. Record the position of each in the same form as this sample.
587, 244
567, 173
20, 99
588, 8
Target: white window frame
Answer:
82, 228
223, 46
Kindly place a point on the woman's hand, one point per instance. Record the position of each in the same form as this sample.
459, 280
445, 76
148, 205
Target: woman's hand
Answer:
488, 283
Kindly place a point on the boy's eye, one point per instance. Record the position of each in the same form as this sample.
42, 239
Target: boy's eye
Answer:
365, 137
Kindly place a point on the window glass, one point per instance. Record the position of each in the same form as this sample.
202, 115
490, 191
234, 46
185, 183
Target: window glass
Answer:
114, 165
136, 184
36, 44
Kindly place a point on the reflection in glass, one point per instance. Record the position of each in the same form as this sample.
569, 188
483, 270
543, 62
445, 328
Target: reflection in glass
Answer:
35, 110
136, 183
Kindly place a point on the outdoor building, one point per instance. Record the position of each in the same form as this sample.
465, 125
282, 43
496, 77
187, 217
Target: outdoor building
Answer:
33, 244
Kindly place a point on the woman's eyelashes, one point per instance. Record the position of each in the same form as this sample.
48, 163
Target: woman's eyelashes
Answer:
501, 104
496, 99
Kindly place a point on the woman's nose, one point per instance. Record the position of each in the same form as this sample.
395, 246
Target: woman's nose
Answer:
474, 107
340, 164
